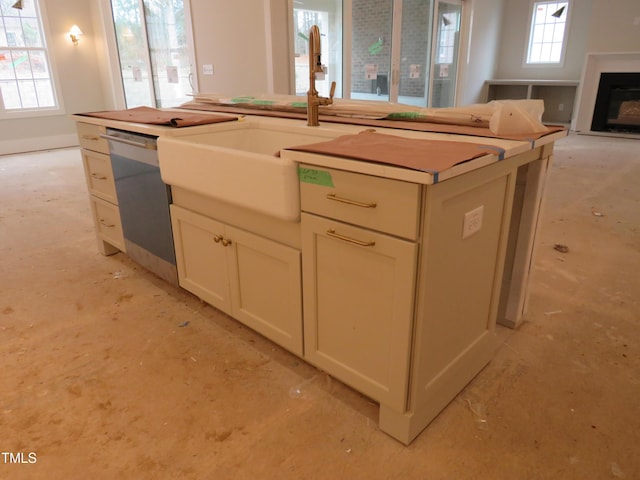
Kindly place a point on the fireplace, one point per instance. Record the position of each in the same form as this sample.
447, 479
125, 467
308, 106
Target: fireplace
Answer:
617, 105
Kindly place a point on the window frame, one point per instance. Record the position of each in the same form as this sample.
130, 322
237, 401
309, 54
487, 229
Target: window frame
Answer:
532, 7
58, 108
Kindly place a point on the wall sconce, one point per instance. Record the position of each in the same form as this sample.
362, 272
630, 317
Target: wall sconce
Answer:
74, 34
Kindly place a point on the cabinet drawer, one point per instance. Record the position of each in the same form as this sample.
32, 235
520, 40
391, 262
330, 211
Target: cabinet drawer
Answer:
106, 217
382, 204
89, 136
99, 175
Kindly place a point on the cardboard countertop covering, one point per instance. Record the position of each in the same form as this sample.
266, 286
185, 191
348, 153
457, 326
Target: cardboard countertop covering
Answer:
154, 116
430, 156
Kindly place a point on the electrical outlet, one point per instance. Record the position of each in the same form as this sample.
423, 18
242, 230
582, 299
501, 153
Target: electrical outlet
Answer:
207, 69
561, 107
472, 221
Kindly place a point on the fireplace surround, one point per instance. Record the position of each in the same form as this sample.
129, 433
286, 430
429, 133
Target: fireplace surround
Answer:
595, 65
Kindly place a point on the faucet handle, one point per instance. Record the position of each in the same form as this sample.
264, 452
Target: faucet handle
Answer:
333, 90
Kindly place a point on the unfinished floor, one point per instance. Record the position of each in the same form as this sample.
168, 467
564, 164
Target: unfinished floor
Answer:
108, 373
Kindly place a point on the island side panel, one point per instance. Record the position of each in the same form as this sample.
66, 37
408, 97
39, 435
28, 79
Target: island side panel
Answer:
458, 293
525, 221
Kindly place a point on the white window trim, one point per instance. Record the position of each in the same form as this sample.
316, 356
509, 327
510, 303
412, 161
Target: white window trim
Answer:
57, 92
527, 39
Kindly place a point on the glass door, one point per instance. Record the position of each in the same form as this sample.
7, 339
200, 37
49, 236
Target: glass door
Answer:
155, 59
371, 40
391, 50
446, 40
403, 51
414, 64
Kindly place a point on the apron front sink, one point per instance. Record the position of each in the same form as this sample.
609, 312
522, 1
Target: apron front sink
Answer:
239, 162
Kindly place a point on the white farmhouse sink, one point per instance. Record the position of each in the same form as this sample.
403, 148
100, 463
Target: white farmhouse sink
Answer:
236, 162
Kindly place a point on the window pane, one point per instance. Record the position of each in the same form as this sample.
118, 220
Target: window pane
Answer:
14, 32
21, 63
31, 32
535, 53
10, 95
28, 9
6, 65
558, 33
28, 94
39, 64
556, 52
44, 89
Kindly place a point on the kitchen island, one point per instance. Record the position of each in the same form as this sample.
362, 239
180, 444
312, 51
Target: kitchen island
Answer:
390, 279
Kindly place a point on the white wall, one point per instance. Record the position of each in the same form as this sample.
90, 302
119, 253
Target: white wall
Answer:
614, 26
232, 37
513, 44
480, 64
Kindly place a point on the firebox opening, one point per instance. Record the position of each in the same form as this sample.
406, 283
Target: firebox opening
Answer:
617, 106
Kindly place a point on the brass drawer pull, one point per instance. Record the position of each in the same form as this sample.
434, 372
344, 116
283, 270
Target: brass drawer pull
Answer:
98, 176
217, 238
104, 223
93, 138
332, 233
226, 242
333, 196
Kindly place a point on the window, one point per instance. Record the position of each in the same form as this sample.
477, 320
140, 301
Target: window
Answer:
548, 33
26, 80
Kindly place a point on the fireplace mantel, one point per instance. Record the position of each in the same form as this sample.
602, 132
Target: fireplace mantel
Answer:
595, 64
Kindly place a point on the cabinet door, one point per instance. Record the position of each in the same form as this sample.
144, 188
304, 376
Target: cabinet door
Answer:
358, 306
201, 257
266, 287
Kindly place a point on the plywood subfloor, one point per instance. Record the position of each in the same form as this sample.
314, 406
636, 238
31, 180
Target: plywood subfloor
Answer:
107, 372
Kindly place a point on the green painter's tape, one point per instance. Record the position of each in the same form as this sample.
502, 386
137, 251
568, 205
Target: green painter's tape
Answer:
404, 116
317, 177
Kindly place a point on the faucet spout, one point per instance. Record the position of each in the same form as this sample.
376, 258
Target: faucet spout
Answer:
315, 66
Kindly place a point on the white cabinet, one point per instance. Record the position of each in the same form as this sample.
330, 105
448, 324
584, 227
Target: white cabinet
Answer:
102, 188
358, 305
253, 279
359, 282
399, 302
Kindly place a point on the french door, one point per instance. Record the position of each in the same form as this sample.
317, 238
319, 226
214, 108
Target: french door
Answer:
154, 49
403, 51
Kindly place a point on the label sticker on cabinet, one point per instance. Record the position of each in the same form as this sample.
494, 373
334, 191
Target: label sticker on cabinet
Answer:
317, 177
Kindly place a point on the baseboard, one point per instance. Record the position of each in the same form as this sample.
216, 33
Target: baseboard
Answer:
35, 144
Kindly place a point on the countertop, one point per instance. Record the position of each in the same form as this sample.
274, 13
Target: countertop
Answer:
504, 148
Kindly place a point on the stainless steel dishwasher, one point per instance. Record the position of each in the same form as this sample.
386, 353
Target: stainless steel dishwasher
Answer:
144, 201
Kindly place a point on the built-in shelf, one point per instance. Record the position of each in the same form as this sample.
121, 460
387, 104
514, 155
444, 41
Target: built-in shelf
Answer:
558, 96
